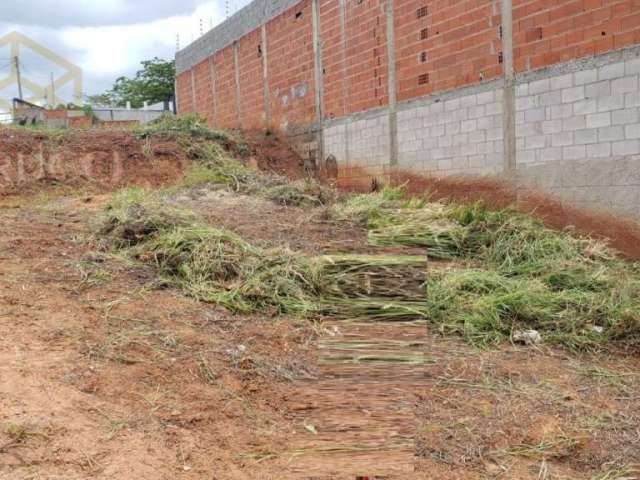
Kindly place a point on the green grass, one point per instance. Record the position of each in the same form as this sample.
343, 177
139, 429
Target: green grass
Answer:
194, 127
215, 164
507, 271
134, 215
512, 273
298, 194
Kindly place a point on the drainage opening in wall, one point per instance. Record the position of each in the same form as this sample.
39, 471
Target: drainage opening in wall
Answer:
331, 167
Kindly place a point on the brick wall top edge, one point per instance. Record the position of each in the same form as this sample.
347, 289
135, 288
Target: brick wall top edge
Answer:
238, 25
580, 64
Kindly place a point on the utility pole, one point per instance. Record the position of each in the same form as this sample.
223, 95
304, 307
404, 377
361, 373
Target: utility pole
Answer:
53, 92
17, 61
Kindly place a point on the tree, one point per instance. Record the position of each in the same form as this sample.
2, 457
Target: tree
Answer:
100, 100
153, 84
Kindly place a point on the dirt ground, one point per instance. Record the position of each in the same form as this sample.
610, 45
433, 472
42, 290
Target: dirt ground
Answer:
106, 374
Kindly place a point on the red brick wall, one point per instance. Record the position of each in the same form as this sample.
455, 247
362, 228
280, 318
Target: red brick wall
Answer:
367, 72
226, 114
250, 51
440, 45
55, 114
446, 44
204, 93
80, 122
552, 31
183, 91
356, 77
291, 68
333, 60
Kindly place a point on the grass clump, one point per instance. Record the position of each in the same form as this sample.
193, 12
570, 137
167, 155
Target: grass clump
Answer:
218, 266
366, 209
211, 264
486, 307
216, 166
194, 127
363, 276
299, 194
134, 215
512, 273
442, 239
518, 275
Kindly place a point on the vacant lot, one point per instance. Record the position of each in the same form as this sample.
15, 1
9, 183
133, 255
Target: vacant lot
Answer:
228, 323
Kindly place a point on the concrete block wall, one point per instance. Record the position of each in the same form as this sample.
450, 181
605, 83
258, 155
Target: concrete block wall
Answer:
531, 90
362, 143
578, 131
457, 134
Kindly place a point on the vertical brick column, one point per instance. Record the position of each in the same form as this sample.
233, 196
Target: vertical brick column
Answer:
265, 76
193, 90
176, 105
214, 105
236, 68
319, 80
393, 116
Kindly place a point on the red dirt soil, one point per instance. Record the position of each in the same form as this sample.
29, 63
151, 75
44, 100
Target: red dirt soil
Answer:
107, 159
107, 374
274, 154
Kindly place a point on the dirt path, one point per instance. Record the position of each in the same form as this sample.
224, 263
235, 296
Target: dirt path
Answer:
104, 375
361, 410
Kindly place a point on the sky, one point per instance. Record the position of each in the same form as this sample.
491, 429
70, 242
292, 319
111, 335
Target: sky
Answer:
105, 38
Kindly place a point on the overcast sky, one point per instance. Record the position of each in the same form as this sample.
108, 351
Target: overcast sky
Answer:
105, 38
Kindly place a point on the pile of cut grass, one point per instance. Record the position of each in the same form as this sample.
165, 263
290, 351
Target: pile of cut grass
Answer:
215, 165
304, 193
134, 215
398, 277
510, 273
193, 127
485, 306
217, 266
366, 208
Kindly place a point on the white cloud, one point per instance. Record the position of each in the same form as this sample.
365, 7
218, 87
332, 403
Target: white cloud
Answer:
106, 50
65, 13
109, 38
